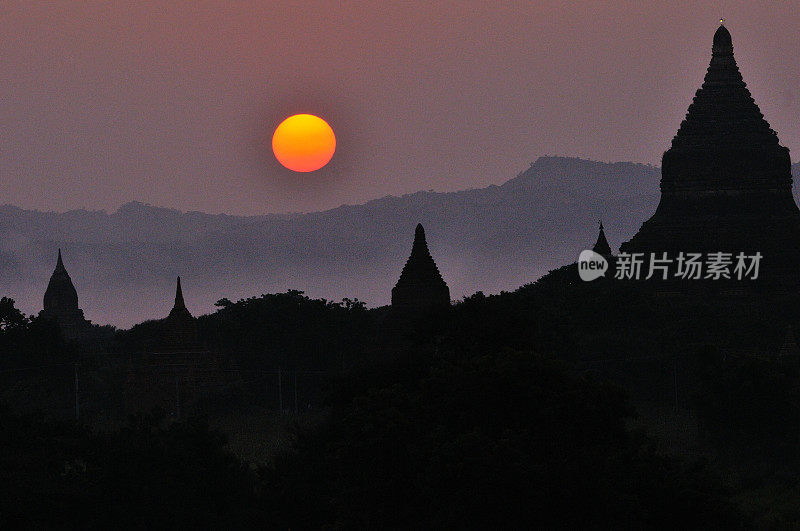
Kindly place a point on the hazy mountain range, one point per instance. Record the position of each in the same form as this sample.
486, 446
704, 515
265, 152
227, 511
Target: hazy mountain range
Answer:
124, 264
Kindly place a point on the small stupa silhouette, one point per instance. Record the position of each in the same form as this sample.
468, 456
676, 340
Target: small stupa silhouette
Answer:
601, 246
180, 327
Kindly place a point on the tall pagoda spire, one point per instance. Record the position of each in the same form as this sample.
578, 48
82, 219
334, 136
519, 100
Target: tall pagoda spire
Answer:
179, 309
420, 286
180, 327
601, 246
60, 262
726, 183
723, 114
179, 304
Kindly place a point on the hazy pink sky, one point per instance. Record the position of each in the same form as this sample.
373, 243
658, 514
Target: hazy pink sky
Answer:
174, 103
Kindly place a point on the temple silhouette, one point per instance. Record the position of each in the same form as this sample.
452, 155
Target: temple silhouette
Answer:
601, 246
420, 287
178, 371
180, 327
61, 303
726, 183
726, 186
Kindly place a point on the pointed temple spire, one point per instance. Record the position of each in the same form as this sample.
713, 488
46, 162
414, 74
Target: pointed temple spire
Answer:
179, 297
60, 262
723, 114
601, 246
723, 43
726, 183
420, 286
179, 309
60, 294
61, 302
180, 327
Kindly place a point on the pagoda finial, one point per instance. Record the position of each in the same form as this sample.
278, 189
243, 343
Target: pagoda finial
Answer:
419, 234
59, 262
420, 245
723, 43
179, 296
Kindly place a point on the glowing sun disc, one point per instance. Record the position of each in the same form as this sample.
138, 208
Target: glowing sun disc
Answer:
303, 143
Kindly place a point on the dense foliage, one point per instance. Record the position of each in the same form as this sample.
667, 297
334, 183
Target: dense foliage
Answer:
493, 440
57, 474
561, 404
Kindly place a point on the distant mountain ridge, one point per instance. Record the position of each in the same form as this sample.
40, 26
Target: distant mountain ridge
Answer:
124, 264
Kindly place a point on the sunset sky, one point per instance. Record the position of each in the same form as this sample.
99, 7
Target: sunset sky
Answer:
174, 103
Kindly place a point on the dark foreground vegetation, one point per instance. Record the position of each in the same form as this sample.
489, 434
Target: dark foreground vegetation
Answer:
559, 405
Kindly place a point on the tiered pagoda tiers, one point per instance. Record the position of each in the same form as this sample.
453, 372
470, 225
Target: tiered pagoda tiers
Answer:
726, 183
61, 303
421, 287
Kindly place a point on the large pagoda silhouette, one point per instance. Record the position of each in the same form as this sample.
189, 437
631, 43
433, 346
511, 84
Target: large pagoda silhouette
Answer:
726, 183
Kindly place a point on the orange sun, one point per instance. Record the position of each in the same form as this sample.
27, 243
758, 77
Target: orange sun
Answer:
303, 142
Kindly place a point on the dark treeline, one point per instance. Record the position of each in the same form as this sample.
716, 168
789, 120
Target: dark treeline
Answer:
560, 404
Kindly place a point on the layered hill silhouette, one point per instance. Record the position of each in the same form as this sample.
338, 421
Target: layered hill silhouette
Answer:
497, 238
